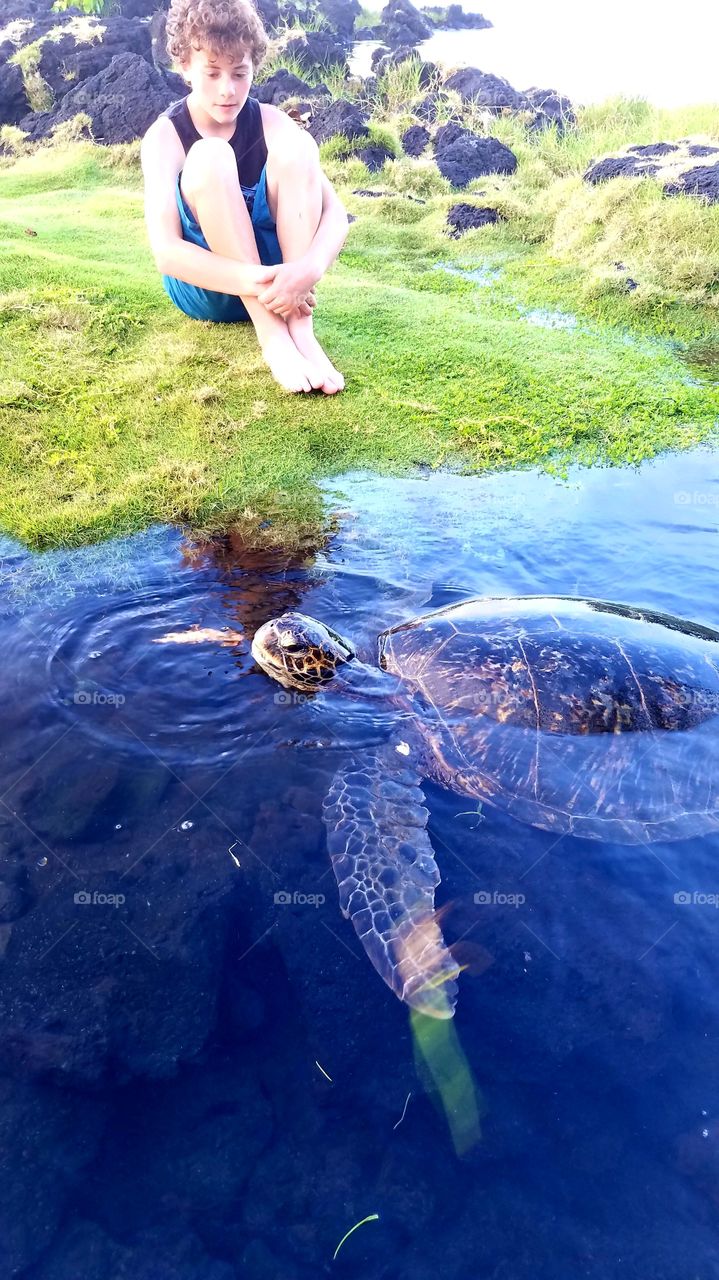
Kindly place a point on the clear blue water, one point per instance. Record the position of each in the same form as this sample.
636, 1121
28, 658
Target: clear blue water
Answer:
167, 1022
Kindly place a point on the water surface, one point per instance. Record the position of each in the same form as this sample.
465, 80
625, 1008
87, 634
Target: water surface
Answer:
177, 979
645, 49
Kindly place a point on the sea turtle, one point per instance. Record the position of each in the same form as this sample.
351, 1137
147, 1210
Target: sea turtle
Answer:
575, 715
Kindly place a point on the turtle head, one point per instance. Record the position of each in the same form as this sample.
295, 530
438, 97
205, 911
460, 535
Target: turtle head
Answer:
299, 652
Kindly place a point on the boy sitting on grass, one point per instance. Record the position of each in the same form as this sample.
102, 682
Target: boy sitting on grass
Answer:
232, 183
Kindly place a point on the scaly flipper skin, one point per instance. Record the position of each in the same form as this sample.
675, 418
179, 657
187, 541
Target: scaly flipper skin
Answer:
385, 867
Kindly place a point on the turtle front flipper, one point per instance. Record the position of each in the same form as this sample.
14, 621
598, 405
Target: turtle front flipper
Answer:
387, 874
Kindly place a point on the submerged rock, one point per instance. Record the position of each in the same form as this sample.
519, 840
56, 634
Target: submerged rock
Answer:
47, 1137
169, 1252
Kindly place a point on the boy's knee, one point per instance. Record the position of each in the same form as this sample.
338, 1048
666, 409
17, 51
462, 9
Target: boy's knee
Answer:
206, 160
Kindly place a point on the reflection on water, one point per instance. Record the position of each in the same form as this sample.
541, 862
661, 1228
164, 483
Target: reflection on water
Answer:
201, 1073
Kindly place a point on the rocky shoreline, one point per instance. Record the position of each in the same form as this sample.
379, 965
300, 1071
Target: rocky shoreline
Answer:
116, 72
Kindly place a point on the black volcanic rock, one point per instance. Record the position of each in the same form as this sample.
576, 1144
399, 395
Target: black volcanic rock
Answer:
340, 117
282, 85
67, 62
341, 15
383, 59
158, 41
471, 157
701, 149
619, 167
493, 92
403, 24
269, 11
374, 156
316, 50
449, 133
551, 108
122, 101
138, 8
426, 109
414, 140
702, 181
25, 9
465, 217
453, 18
13, 99
654, 149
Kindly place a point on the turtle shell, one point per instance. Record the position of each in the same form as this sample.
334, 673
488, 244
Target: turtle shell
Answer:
574, 715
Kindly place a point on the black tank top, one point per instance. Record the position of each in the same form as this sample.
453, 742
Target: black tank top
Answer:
247, 142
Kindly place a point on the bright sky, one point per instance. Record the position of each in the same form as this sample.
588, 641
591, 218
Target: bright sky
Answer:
666, 52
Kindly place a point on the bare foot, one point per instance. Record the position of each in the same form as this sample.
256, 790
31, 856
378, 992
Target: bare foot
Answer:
328, 378
287, 365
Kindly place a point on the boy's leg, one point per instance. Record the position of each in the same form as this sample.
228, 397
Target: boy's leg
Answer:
211, 187
294, 197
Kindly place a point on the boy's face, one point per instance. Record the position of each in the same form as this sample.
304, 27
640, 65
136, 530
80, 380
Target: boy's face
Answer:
220, 85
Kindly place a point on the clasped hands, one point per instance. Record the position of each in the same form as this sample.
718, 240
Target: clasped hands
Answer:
288, 287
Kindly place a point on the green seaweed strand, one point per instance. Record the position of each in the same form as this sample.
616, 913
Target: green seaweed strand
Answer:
372, 1218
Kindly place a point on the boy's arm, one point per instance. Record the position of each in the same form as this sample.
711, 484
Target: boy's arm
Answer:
331, 232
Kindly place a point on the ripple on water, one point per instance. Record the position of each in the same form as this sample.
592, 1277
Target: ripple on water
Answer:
157, 671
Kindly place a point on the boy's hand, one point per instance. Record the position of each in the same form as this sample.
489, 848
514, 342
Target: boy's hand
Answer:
292, 287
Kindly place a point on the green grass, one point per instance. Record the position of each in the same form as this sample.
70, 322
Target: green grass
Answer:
116, 410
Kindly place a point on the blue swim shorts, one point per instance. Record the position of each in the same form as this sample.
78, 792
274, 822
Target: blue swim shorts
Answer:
207, 304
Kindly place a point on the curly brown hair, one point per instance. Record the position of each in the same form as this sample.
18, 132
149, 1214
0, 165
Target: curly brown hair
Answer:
218, 26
